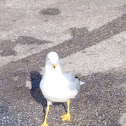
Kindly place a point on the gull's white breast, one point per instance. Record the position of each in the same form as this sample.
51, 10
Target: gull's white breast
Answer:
57, 88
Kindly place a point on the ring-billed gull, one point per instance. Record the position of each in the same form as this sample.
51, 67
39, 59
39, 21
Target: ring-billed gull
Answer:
58, 86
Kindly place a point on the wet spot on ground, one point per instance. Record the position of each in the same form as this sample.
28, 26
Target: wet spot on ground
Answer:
50, 11
30, 40
8, 52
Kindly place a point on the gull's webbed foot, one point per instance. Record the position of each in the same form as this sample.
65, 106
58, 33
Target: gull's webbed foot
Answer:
66, 117
44, 124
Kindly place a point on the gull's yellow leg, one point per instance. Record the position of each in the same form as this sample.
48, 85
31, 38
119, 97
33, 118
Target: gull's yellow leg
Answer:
66, 117
45, 121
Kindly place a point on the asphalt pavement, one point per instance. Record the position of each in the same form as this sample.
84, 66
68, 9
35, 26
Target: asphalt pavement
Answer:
90, 38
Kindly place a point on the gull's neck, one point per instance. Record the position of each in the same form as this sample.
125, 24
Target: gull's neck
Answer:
50, 70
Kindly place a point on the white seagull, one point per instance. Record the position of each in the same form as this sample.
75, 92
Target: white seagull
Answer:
57, 86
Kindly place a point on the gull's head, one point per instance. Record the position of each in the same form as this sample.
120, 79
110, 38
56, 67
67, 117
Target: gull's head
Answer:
52, 59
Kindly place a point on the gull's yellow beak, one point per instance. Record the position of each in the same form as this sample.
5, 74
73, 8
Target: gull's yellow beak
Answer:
54, 65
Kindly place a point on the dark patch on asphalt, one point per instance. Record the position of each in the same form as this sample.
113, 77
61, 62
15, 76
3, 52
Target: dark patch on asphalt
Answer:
50, 11
30, 40
79, 32
7, 44
8, 52
6, 48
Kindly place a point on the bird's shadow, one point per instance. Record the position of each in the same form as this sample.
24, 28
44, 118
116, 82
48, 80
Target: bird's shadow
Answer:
36, 93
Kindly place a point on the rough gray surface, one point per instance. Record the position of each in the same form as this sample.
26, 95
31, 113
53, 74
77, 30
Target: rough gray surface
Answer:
81, 27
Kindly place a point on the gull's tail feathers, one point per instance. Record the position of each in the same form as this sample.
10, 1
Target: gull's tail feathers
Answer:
81, 82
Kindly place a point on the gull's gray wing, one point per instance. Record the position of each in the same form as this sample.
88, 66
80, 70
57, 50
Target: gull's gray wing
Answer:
74, 83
